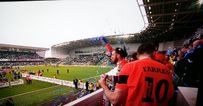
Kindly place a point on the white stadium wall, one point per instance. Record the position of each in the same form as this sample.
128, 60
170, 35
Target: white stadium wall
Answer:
41, 53
131, 47
101, 49
165, 45
57, 53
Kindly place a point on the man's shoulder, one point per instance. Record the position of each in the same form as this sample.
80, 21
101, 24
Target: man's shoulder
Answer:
149, 61
123, 62
131, 64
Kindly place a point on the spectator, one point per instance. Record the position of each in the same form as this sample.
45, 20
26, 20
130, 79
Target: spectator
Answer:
87, 86
97, 85
161, 57
9, 102
91, 87
19, 75
54, 76
9, 76
57, 72
80, 83
193, 76
141, 82
134, 56
75, 82
67, 70
118, 58
30, 80
38, 73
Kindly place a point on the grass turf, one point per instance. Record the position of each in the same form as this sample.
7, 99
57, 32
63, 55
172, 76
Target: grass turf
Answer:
40, 92
79, 72
34, 94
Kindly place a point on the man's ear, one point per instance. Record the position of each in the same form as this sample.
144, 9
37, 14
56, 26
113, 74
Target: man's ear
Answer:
118, 55
153, 53
137, 55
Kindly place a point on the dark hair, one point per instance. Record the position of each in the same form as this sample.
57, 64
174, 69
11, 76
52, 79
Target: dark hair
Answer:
134, 55
148, 48
156, 45
121, 52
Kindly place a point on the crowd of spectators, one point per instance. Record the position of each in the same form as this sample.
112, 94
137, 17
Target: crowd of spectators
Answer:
181, 63
8, 74
88, 86
17, 63
13, 58
13, 55
84, 60
186, 61
182, 60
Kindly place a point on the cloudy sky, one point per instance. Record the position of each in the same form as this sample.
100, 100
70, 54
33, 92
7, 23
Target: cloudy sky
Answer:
45, 23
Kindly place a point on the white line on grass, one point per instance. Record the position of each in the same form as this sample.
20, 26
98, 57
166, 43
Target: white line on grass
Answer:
90, 77
29, 92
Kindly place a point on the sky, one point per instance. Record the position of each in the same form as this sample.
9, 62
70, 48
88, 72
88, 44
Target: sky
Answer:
46, 23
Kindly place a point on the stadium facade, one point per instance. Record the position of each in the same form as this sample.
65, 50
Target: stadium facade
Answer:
91, 46
169, 23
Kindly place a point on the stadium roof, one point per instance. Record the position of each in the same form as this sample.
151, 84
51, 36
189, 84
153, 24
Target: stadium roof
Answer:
8, 46
167, 20
171, 19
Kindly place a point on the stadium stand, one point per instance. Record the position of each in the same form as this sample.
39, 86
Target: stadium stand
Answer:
170, 23
52, 61
15, 55
187, 78
96, 54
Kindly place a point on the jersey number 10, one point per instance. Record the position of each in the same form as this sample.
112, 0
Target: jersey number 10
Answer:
150, 83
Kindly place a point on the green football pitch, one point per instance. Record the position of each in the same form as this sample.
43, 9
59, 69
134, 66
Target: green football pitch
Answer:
79, 72
39, 92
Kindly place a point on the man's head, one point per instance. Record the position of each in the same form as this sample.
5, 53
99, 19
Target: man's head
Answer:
197, 43
117, 55
146, 49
